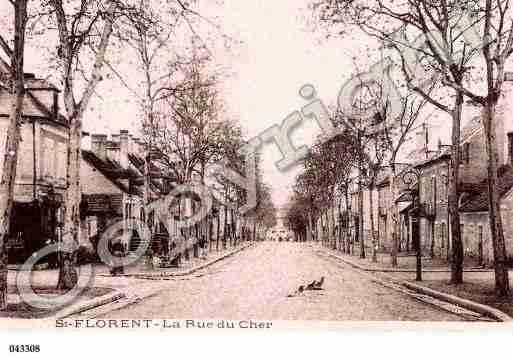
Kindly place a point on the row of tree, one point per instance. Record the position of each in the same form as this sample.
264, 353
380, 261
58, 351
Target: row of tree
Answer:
438, 54
182, 119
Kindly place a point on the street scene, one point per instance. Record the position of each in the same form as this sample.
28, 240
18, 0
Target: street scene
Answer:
313, 160
261, 282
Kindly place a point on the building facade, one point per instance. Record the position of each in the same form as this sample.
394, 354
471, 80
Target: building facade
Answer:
41, 170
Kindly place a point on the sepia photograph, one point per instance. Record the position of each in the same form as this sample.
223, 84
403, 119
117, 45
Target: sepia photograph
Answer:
175, 165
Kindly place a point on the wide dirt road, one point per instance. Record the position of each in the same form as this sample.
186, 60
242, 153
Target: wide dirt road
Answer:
254, 284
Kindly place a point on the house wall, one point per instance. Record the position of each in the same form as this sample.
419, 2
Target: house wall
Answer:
94, 182
473, 159
50, 144
507, 222
383, 218
476, 229
433, 193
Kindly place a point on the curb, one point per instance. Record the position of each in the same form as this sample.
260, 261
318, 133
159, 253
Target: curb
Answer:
151, 275
400, 270
449, 298
464, 303
89, 304
117, 295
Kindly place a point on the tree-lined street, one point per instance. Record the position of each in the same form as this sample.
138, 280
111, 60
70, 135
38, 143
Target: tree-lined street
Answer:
255, 284
130, 143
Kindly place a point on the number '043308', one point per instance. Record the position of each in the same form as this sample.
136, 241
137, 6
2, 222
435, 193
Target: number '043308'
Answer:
25, 348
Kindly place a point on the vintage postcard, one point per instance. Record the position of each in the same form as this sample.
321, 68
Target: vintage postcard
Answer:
180, 165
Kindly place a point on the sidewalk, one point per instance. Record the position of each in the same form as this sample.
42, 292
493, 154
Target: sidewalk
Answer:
478, 286
407, 263
146, 271
105, 289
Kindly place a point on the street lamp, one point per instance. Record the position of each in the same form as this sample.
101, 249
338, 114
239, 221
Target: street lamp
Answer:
411, 178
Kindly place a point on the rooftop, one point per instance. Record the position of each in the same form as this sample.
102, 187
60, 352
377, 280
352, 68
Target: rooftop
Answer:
477, 201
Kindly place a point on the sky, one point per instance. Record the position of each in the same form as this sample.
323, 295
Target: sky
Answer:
278, 54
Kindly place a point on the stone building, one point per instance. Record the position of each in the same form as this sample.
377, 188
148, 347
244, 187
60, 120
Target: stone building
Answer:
112, 187
41, 171
475, 231
475, 223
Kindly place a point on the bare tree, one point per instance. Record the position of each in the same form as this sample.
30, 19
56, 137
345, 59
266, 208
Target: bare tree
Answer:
437, 52
16, 87
84, 30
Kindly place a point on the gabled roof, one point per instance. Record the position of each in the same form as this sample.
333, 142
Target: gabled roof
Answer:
406, 196
32, 106
400, 169
477, 201
33, 83
112, 171
472, 128
443, 156
138, 162
155, 172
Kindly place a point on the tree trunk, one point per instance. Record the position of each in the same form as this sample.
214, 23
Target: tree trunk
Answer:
254, 229
75, 111
68, 275
432, 249
373, 233
347, 219
332, 229
225, 230
195, 245
234, 227
457, 245
218, 237
391, 214
339, 245
12, 142
310, 227
494, 203
360, 220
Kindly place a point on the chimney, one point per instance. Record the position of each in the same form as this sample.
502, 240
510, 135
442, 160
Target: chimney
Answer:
510, 148
123, 148
98, 142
